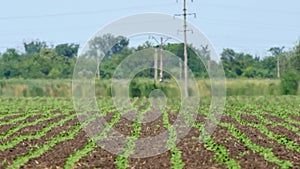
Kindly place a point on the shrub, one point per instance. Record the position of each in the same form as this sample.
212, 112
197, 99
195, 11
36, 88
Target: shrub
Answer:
289, 83
37, 91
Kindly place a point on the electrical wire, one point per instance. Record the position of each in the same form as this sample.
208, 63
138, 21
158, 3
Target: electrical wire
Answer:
82, 12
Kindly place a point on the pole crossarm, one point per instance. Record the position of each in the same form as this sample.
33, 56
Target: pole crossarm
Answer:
187, 14
185, 30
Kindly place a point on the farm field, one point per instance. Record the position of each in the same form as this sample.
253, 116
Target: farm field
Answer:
254, 132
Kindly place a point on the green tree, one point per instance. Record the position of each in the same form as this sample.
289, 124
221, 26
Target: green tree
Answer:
103, 47
269, 66
239, 64
295, 61
9, 62
34, 47
68, 50
231, 67
289, 83
194, 58
290, 76
108, 66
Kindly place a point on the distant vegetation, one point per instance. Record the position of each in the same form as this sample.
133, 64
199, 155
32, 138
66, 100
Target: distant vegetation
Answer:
139, 87
42, 61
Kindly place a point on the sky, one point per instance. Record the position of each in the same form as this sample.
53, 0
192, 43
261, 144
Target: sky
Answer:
245, 26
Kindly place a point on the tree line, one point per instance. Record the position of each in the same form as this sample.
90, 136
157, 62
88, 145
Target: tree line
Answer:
39, 61
42, 61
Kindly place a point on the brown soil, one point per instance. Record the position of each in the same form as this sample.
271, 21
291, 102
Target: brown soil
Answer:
98, 158
11, 117
250, 118
285, 132
156, 162
273, 118
59, 153
294, 117
152, 128
172, 117
260, 139
194, 154
124, 126
27, 146
246, 157
29, 130
5, 128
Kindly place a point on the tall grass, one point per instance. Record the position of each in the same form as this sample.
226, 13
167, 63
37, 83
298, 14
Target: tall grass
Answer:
142, 87
36, 87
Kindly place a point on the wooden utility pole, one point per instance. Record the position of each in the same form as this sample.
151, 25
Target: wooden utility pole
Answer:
98, 69
161, 43
185, 53
180, 69
278, 67
161, 60
185, 46
206, 54
155, 64
277, 52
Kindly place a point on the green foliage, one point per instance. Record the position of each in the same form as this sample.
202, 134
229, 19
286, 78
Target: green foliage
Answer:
222, 156
268, 67
276, 50
138, 89
141, 87
290, 77
122, 161
36, 91
252, 87
68, 50
242, 65
39, 61
176, 160
289, 83
56, 62
72, 159
107, 44
281, 107
63, 136
195, 58
34, 47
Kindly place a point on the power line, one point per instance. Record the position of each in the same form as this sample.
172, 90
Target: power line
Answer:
80, 13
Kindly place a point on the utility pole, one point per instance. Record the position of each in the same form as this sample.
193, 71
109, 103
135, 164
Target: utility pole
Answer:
161, 60
161, 43
155, 64
98, 70
205, 52
185, 46
185, 53
180, 69
278, 67
277, 52
98, 64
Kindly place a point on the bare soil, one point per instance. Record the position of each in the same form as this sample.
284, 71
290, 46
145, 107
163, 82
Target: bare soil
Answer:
193, 153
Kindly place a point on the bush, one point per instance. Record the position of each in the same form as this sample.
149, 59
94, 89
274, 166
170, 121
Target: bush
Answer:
37, 91
289, 83
25, 93
140, 88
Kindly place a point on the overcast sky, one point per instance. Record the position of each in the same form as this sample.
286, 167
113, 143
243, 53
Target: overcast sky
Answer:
245, 26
